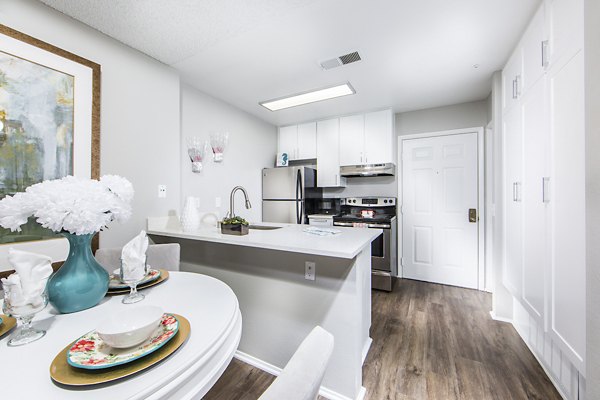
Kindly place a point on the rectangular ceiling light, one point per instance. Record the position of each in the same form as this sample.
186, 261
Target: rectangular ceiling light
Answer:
308, 97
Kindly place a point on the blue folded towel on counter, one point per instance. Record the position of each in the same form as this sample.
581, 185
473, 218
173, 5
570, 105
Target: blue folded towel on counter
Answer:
313, 230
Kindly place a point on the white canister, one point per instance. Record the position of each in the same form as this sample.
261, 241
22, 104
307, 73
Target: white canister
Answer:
190, 217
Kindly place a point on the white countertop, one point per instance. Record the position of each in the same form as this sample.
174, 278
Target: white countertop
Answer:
347, 244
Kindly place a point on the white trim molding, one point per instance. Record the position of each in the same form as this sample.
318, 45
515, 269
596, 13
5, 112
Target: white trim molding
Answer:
273, 370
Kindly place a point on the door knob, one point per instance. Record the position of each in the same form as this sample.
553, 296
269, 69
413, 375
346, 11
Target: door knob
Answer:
472, 215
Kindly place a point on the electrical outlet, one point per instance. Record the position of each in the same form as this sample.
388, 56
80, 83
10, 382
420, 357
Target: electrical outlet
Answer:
310, 270
162, 191
218, 202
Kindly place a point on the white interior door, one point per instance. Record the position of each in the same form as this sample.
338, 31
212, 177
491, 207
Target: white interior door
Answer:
439, 187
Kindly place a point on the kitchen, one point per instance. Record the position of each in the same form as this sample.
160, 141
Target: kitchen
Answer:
182, 96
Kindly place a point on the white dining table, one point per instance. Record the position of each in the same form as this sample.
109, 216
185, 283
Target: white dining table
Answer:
216, 326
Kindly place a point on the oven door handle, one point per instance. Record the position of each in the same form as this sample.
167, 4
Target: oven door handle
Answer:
377, 226
343, 224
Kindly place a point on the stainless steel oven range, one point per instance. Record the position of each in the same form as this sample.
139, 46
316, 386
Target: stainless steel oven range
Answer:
380, 213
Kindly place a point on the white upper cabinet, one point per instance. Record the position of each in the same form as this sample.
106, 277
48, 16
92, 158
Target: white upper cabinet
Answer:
378, 137
564, 23
511, 74
328, 154
298, 141
367, 138
288, 141
307, 141
352, 139
527, 63
534, 51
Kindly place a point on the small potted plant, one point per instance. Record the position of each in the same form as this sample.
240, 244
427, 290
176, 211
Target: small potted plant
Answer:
234, 226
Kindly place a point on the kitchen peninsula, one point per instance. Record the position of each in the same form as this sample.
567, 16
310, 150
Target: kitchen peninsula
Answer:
267, 269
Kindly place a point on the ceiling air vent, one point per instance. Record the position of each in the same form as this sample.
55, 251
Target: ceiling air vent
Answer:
341, 60
350, 58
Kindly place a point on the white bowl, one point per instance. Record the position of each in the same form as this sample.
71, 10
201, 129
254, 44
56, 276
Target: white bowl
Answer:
130, 327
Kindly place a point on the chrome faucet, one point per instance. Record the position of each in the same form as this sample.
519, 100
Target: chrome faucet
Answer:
231, 212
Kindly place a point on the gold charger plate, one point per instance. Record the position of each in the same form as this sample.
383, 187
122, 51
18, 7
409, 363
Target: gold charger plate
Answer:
7, 324
61, 372
164, 275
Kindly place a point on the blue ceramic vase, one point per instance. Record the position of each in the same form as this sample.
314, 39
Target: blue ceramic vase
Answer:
81, 282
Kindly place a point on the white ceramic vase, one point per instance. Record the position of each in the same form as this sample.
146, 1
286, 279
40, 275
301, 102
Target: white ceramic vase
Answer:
190, 217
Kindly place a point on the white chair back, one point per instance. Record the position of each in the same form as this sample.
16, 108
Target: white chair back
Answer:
302, 376
161, 256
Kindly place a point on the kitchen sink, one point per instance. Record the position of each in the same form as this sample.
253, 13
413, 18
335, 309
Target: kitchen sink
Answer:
264, 227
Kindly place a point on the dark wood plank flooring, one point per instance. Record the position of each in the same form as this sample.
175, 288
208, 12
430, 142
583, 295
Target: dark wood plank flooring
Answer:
429, 342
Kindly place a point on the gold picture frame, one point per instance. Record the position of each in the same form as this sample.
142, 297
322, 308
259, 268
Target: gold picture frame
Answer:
86, 115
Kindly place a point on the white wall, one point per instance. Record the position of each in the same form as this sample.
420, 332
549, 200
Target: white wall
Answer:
139, 110
592, 100
252, 146
464, 115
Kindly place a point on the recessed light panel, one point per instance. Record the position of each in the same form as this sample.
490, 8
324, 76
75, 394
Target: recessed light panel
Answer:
308, 97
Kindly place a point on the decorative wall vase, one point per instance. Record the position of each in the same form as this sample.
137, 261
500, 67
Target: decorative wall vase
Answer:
218, 143
81, 282
197, 149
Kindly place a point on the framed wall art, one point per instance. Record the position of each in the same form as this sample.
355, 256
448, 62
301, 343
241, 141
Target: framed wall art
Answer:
49, 127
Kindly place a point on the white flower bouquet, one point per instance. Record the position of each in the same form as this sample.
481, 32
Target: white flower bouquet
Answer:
79, 206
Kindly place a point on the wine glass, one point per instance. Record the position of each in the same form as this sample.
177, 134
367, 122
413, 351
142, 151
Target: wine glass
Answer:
24, 309
132, 277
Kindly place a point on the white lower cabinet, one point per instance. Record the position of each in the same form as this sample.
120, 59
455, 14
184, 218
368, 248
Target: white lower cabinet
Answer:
513, 239
567, 199
535, 201
328, 154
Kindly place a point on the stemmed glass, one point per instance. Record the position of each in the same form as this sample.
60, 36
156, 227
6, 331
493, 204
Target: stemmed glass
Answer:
132, 280
24, 313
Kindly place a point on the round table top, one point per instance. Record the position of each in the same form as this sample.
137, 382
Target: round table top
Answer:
209, 304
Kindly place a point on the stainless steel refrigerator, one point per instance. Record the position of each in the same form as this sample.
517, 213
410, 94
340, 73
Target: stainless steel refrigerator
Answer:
285, 191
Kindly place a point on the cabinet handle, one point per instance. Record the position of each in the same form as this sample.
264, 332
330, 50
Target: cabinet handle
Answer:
514, 88
518, 86
544, 53
516, 191
545, 189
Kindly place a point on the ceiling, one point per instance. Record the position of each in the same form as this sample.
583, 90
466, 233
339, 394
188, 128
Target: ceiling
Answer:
415, 54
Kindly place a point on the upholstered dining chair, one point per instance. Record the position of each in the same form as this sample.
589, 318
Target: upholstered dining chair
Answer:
301, 378
165, 256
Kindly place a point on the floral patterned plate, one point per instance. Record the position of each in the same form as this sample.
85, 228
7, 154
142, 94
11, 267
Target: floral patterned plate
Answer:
90, 352
115, 282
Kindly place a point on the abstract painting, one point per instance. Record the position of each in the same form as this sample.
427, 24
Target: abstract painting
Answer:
49, 120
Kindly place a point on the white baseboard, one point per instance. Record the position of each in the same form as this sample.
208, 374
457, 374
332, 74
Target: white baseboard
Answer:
273, 370
501, 319
548, 374
365, 349
257, 363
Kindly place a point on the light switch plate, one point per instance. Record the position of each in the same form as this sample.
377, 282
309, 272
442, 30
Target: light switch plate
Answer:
162, 191
310, 270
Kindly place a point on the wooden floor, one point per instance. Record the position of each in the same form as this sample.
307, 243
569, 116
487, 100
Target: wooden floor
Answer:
429, 342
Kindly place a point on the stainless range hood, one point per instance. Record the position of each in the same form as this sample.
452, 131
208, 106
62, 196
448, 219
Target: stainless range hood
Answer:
349, 171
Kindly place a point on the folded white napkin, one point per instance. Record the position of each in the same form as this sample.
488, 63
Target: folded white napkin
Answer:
31, 273
321, 231
133, 258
